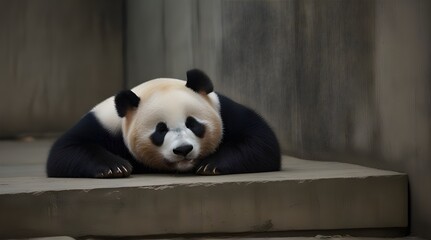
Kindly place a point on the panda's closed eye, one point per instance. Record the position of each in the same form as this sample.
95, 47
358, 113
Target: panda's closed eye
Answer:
196, 127
158, 135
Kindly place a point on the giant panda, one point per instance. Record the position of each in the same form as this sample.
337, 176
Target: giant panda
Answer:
166, 126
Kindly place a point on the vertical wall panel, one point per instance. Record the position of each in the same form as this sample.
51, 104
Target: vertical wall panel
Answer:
341, 80
165, 38
304, 65
58, 59
403, 93
258, 67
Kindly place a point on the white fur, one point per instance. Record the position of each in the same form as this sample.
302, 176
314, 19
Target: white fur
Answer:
214, 100
107, 115
173, 108
177, 137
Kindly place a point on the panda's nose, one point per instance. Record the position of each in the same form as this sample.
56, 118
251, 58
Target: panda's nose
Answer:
183, 150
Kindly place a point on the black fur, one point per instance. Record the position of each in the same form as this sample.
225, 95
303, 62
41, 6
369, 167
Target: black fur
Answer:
248, 144
158, 136
83, 152
196, 127
125, 100
199, 81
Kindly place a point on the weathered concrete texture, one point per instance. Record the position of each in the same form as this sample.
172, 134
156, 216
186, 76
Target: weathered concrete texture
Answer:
403, 97
306, 195
24, 152
57, 60
54, 238
165, 38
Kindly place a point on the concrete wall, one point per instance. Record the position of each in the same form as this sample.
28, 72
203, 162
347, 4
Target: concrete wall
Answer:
402, 91
338, 80
57, 59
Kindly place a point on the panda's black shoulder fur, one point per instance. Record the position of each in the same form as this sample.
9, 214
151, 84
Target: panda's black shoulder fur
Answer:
248, 143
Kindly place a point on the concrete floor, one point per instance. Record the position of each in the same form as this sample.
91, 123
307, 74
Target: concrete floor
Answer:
305, 196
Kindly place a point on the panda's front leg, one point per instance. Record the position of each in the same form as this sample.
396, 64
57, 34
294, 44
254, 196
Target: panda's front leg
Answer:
97, 162
227, 159
248, 156
109, 165
72, 159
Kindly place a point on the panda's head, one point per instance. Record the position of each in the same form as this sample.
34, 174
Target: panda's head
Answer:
170, 124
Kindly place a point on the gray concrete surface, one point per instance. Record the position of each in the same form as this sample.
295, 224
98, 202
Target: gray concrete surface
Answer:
58, 59
306, 195
24, 157
54, 238
25, 151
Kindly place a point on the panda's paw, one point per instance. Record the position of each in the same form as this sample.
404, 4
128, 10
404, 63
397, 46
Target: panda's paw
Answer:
118, 170
211, 166
208, 169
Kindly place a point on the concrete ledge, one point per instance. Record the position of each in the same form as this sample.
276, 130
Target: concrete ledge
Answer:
306, 195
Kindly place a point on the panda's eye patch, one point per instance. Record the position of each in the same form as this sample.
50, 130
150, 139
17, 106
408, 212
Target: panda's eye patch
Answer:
161, 127
158, 135
196, 127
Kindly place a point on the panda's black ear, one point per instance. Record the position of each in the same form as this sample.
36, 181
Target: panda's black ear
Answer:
124, 101
199, 82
